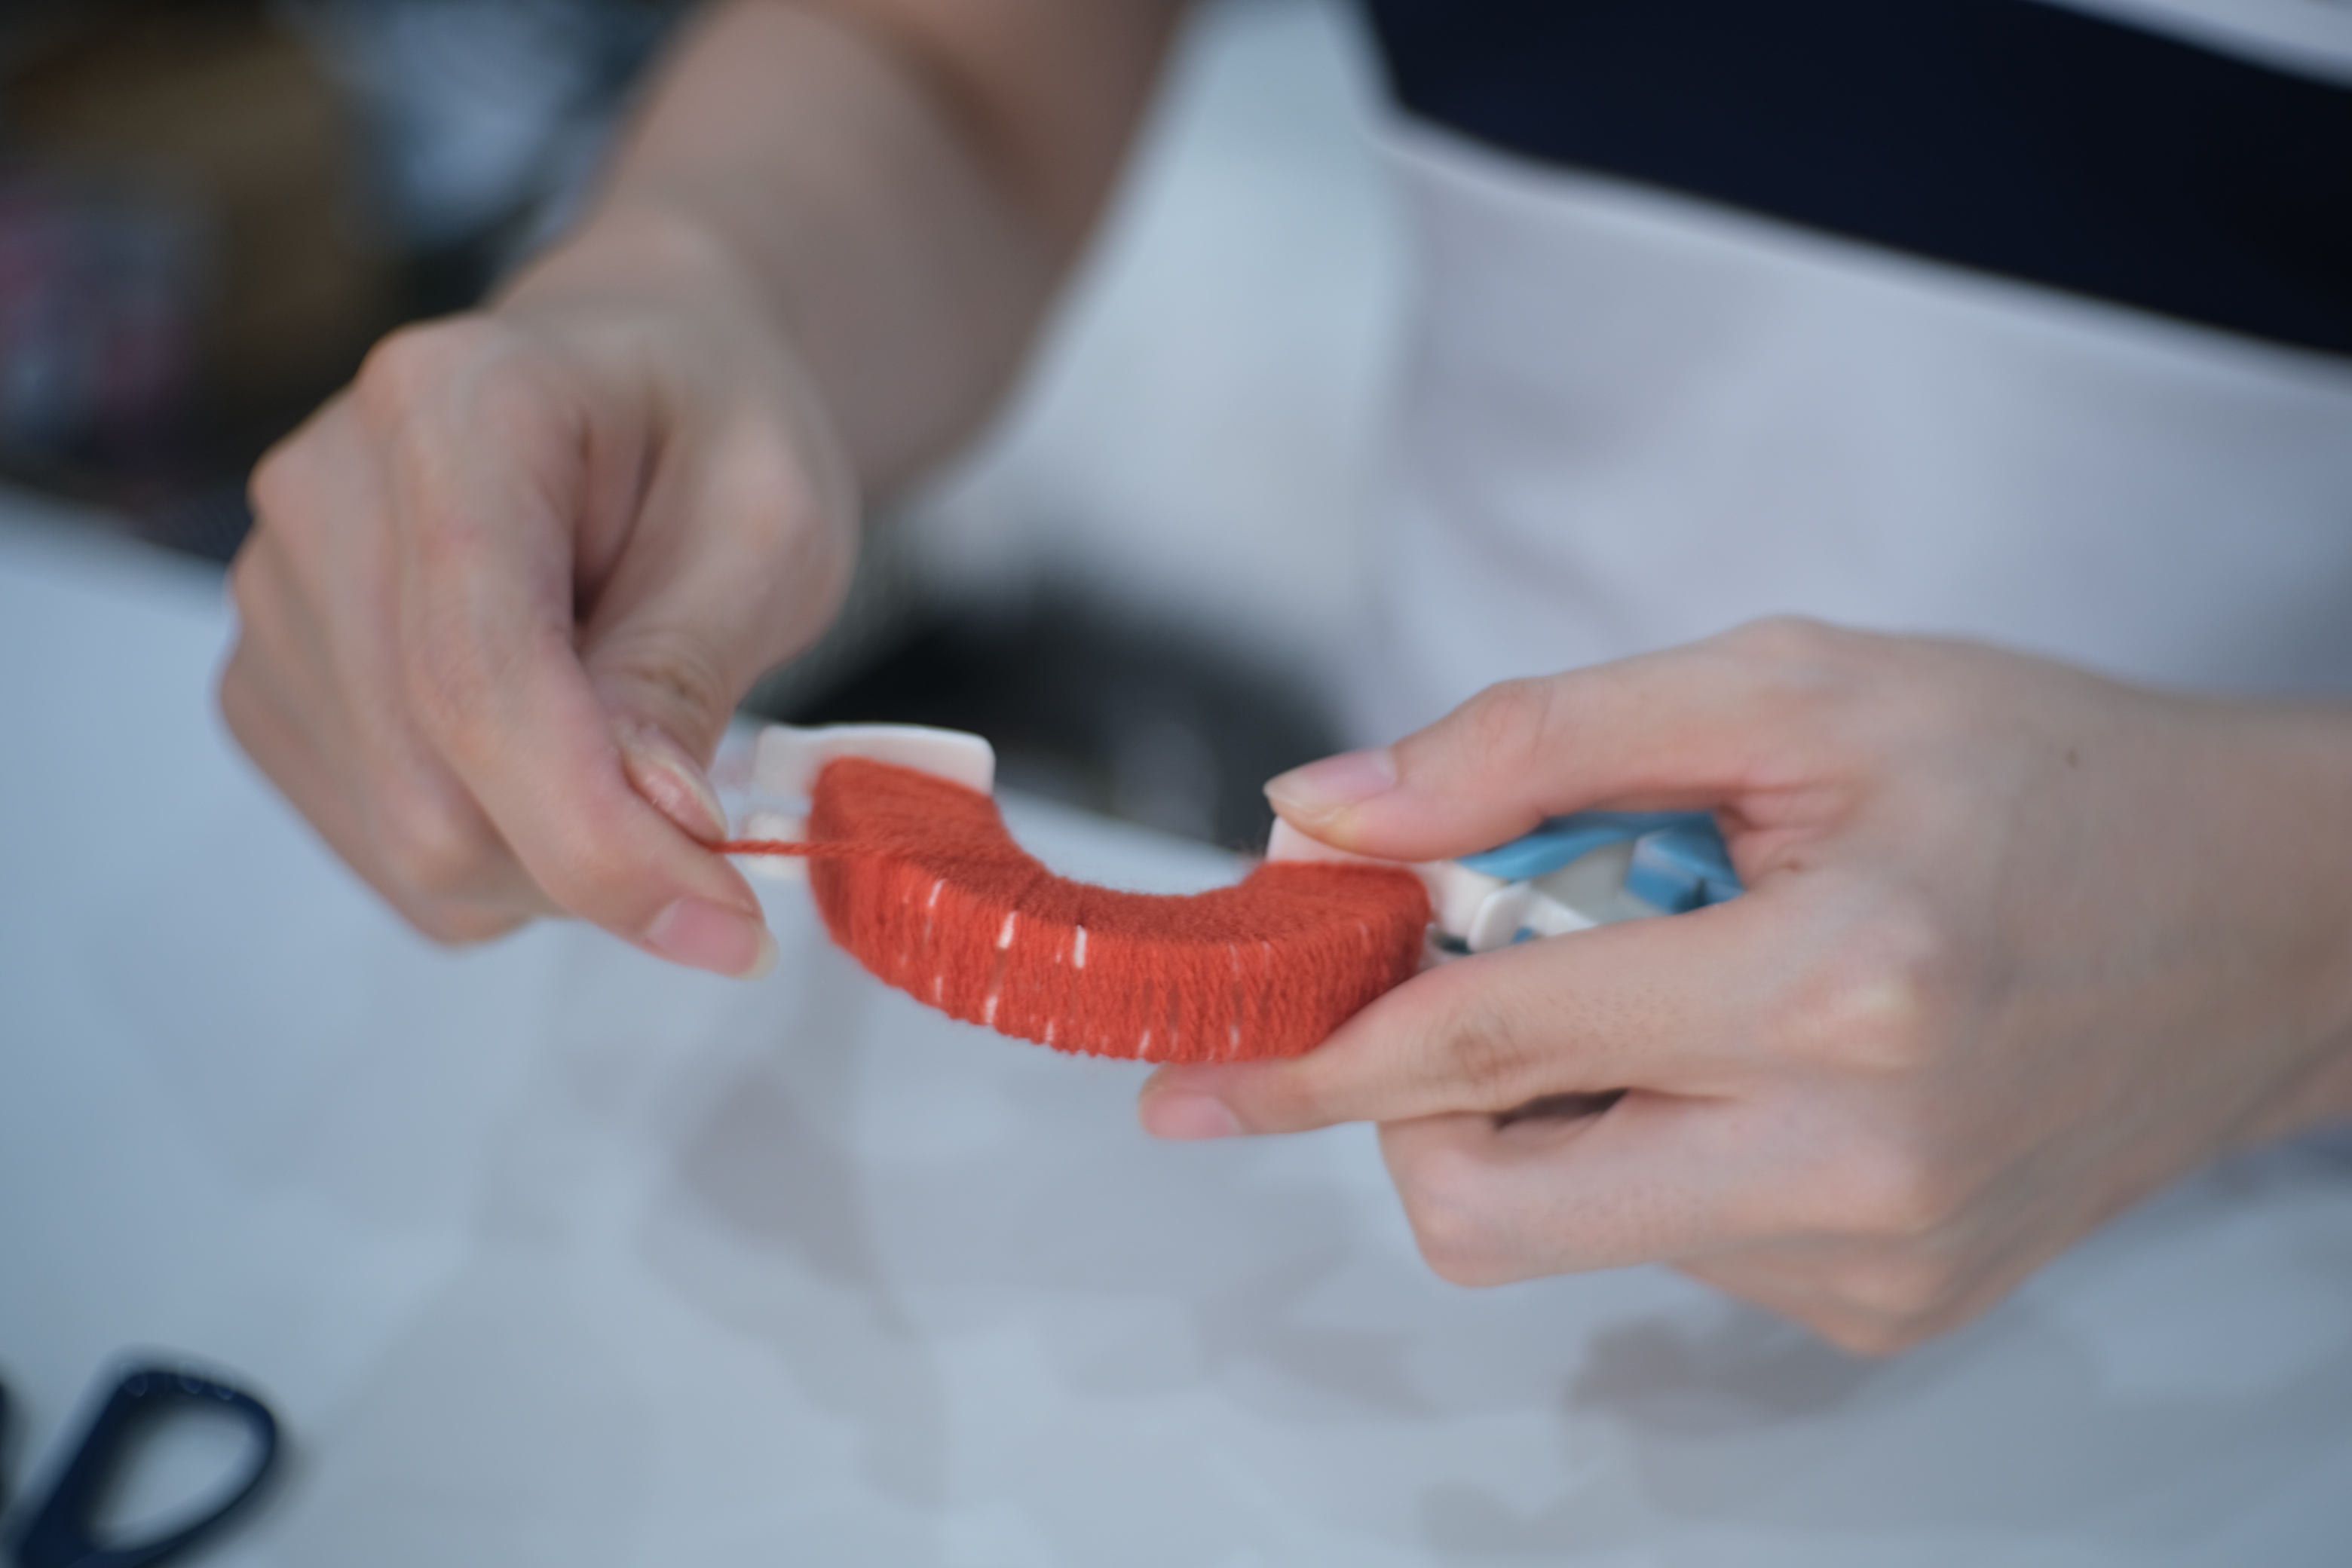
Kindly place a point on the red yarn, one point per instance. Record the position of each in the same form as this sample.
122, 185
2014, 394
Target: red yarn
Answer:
917, 878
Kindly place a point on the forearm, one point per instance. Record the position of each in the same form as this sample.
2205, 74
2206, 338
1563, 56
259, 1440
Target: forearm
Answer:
901, 184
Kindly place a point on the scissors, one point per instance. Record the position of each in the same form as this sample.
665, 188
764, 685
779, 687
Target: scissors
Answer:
61, 1530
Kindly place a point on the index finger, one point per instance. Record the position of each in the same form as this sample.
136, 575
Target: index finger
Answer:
495, 674
1652, 1003
1689, 727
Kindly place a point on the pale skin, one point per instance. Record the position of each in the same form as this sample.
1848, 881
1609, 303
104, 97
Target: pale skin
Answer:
2021, 945
505, 591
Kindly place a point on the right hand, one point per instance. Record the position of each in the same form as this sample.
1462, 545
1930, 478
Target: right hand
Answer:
503, 592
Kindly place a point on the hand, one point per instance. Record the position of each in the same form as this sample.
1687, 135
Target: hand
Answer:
503, 596
2020, 946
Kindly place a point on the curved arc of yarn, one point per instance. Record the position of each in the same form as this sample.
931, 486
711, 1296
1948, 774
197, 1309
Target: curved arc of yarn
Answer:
919, 880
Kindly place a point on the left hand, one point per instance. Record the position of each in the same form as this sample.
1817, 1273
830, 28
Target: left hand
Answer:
2020, 946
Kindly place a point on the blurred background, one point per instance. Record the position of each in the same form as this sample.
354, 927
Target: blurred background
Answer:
1137, 586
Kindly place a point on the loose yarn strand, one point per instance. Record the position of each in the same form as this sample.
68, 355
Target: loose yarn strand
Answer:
808, 851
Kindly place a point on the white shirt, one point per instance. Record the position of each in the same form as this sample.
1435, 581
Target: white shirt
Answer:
1631, 418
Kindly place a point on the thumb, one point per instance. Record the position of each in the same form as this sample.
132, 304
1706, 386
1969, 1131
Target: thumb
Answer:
1679, 730
583, 734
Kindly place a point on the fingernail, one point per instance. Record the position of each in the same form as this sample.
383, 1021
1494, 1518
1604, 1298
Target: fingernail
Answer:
660, 771
703, 935
1322, 789
1185, 1117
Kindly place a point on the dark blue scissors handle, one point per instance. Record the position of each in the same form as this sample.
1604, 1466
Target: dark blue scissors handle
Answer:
62, 1532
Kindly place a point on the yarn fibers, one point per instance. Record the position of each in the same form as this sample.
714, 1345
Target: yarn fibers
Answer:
917, 877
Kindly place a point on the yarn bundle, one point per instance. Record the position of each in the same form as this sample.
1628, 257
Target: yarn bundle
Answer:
918, 878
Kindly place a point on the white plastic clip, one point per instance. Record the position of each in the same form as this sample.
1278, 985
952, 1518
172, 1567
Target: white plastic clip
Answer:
787, 758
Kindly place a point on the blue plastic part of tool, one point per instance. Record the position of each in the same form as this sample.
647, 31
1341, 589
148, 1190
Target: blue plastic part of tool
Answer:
63, 1530
1567, 839
1683, 867
1663, 881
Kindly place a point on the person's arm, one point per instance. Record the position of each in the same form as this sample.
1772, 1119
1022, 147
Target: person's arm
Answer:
2020, 945
503, 592
904, 182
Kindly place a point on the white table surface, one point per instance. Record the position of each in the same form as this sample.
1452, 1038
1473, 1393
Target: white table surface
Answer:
546, 1253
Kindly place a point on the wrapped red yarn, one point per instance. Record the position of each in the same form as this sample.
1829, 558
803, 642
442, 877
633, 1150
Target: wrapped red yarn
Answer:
918, 878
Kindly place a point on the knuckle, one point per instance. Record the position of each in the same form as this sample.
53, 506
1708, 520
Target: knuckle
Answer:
279, 481
813, 547
295, 492
1295, 1094
245, 590
457, 678
1451, 1219
428, 389
1473, 1270
462, 925
445, 695
1486, 1053
414, 361
1806, 656
1508, 718
1872, 1338
791, 543
1791, 641
447, 680
669, 670
434, 844
772, 527
585, 868
240, 701
1811, 674
765, 487
1892, 1296
1896, 1190
1883, 1005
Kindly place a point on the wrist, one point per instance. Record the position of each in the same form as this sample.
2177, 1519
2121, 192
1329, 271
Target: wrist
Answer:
2309, 778
646, 250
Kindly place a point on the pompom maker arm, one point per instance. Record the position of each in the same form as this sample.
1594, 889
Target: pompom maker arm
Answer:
916, 875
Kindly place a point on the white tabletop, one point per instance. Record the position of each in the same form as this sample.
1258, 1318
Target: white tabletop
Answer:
546, 1253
